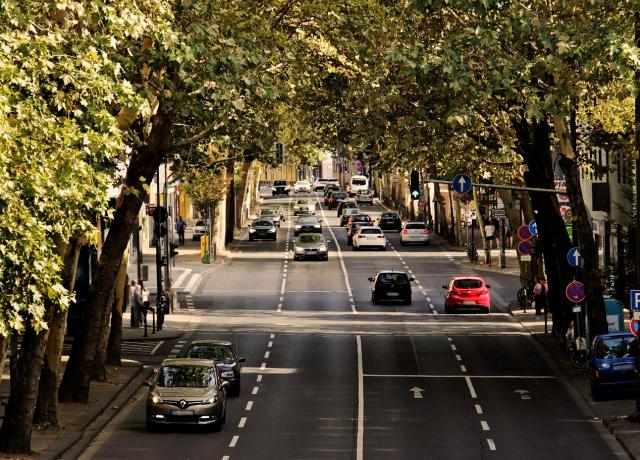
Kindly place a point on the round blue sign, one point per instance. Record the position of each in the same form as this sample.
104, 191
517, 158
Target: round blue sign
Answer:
461, 183
533, 227
575, 291
574, 258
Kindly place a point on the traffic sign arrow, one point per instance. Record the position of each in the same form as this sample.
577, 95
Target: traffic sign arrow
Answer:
417, 392
524, 394
461, 183
415, 194
574, 258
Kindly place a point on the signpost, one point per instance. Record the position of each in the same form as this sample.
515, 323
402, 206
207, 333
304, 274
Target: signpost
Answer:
524, 233
575, 291
525, 247
634, 305
461, 183
634, 326
574, 258
533, 227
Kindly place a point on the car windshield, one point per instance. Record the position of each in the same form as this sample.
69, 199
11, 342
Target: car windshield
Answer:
616, 347
302, 202
200, 223
314, 238
416, 226
307, 220
216, 352
279, 182
302, 183
360, 218
339, 195
349, 204
267, 212
371, 231
358, 181
263, 223
395, 278
186, 376
467, 284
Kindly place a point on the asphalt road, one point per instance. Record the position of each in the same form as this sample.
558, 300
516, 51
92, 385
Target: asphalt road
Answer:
330, 375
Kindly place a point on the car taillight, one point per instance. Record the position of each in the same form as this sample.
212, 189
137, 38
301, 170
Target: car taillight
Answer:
361, 236
405, 231
597, 374
380, 236
426, 232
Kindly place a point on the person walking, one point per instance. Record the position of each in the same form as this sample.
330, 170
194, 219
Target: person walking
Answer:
181, 226
133, 302
540, 296
144, 298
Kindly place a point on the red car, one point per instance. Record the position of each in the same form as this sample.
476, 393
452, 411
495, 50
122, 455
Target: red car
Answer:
465, 292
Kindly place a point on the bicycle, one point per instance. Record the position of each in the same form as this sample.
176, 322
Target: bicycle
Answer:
472, 253
578, 353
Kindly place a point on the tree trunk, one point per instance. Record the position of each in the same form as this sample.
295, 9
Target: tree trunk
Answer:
240, 195
230, 201
144, 162
114, 349
588, 249
99, 362
15, 434
534, 145
4, 346
46, 412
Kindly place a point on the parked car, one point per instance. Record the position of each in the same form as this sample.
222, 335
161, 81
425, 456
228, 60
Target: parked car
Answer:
271, 214
346, 215
390, 285
335, 198
613, 363
352, 228
307, 224
465, 292
414, 232
200, 228
369, 237
365, 197
262, 229
310, 246
346, 204
187, 391
223, 353
280, 187
390, 221
304, 206
302, 186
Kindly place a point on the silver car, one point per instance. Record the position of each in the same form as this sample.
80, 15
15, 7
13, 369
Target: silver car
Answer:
304, 206
311, 246
271, 214
187, 391
200, 228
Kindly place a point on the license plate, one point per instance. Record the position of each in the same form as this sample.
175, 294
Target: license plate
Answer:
310, 251
624, 367
468, 302
393, 294
182, 413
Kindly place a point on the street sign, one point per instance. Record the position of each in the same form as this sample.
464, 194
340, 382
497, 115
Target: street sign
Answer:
634, 326
533, 227
635, 300
574, 258
525, 247
525, 258
524, 233
461, 183
499, 213
577, 309
575, 291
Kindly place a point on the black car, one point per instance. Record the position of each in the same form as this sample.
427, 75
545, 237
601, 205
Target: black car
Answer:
330, 188
308, 224
225, 357
391, 286
351, 230
336, 198
262, 228
390, 221
280, 187
344, 204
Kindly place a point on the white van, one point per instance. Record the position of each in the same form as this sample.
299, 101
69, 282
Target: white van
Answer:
358, 184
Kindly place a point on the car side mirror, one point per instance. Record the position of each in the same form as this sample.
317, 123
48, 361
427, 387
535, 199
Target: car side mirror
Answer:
488, 287
444, 286
371, 280
147, 383
224, 384
412, 279
241, 360
328, 241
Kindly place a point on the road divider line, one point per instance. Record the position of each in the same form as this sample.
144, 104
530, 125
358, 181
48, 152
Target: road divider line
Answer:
463, 368
255, 390
484, 425
492, 445
272, 336
453, 347
249, 405
234, 441
259, 378
360, 430
263, 366
470, 385
284, 281
478, 409
270, 344
458, 358
226, 457
266, 354
243, 421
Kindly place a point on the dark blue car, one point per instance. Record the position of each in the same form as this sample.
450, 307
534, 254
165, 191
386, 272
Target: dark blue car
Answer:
613, 363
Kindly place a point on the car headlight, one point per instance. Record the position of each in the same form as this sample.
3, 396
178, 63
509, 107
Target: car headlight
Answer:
252, 230
211, 400
155, 399
323, 247
298, 227
316, 226
227, 374
299, 250
272, 230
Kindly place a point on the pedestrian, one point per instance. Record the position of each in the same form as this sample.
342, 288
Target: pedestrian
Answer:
181, 225
508, 234
540, 289
133, 302
144, 299
489, 232
496, 229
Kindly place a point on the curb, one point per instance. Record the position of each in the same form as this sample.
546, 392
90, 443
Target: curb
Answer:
73, 443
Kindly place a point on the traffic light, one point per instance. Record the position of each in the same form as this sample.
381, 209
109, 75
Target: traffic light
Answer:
172, 249
414, 185
280, 152
160, 216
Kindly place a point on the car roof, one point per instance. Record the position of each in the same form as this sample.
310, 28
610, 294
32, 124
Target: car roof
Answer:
612, 335
211, 342
468, 277
187, 362
371, 226
381, 272
415, 222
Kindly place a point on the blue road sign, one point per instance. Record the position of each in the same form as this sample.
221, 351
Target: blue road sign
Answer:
635, 300
574, 258
533, 227
461, 183
525, 247
575, 291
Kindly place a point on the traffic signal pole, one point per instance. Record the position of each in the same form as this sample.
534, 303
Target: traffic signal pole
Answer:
158, 256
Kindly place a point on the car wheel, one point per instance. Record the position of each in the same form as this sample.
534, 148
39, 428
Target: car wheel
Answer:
426, 243
216, 426
295, 257
274, 238
408, 301
223, 417
384, 248
250, 238
355, 248
446, 308
151, 427
325, 258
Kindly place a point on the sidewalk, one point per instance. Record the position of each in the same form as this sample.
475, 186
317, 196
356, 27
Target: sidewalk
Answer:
612, 412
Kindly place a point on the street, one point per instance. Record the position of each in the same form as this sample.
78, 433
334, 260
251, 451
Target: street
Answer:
328, 374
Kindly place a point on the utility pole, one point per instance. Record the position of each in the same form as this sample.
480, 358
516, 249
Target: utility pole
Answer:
636, 417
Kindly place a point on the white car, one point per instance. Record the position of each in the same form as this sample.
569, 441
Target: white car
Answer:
414, 232
304, 206
302, 186
369, 237
200, 228
320, 184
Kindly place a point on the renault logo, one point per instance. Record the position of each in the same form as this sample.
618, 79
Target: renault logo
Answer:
182, 403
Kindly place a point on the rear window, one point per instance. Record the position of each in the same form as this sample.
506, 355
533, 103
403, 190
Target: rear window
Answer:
371, 231
361, 218
416, 226
389, 216
339, 195
467, 284
396, 278
200, 223
358, 181
307, 220
618, 347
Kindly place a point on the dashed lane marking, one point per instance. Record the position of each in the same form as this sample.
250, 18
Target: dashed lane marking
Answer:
492, 445
234, 441
259, 378
249, 405
272, 336
484, 425
270, 344
478, 409
255, 390
242, 422
470, 385
263, 366
266, 354
463, 368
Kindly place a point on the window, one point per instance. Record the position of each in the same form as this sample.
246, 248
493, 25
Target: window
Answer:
306, 238
395, 278
307, 221
220, 353
371, 231
467, 284
186, 376
358, 182
416, 226
619, 347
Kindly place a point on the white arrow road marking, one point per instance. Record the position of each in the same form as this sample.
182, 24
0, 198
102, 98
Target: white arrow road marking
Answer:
417, 392
524, 394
